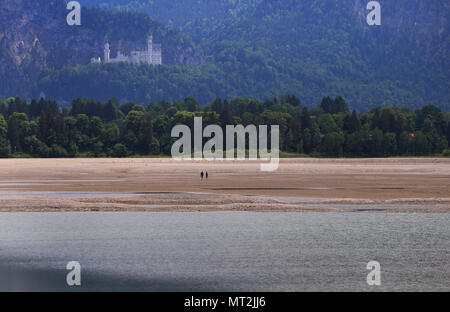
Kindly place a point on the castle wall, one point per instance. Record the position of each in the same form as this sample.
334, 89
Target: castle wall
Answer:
153, 55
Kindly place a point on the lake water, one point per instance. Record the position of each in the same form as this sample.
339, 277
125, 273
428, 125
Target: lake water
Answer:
225, 251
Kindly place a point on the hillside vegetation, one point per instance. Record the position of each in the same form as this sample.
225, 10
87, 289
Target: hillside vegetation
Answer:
262, 48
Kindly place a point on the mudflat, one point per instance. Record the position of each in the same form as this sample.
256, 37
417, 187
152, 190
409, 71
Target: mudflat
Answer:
163, 184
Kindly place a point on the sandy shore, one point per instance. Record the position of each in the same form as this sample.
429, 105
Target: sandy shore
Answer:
405, 185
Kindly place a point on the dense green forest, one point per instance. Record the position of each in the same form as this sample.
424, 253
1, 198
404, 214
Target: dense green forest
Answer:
106, 129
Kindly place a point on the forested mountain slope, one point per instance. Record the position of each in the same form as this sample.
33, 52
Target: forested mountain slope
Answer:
312, 47
263, 48
34, 36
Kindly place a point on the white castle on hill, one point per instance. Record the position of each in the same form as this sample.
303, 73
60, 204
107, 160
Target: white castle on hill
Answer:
153, 55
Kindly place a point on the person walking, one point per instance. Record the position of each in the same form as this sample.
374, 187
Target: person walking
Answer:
206, 175
201, 175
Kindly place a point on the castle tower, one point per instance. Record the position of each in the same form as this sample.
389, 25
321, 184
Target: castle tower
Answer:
150, 49
107, 53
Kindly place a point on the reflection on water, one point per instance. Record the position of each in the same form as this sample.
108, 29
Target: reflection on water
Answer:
225, 251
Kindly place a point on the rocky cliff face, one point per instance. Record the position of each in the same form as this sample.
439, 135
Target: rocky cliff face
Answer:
34, 35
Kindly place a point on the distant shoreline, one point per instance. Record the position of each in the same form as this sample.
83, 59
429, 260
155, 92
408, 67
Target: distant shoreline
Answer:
282, 156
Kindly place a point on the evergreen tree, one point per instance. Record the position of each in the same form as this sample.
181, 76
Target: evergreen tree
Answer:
3, 127
354, 124
13, 135
146, 135
306, 122
226, 117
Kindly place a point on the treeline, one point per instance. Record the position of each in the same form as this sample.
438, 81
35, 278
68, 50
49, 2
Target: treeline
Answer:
106, 129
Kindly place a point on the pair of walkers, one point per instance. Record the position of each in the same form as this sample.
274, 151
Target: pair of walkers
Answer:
204, 175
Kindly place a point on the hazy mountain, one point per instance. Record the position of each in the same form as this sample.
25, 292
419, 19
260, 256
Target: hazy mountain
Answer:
263, 48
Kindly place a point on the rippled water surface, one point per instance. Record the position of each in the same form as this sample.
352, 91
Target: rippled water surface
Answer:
225, 251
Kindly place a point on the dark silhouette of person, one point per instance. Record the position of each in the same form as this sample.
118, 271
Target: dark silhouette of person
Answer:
201, 175
206, 175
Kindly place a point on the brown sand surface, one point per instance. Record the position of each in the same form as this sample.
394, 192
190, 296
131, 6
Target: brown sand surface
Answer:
393, 181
